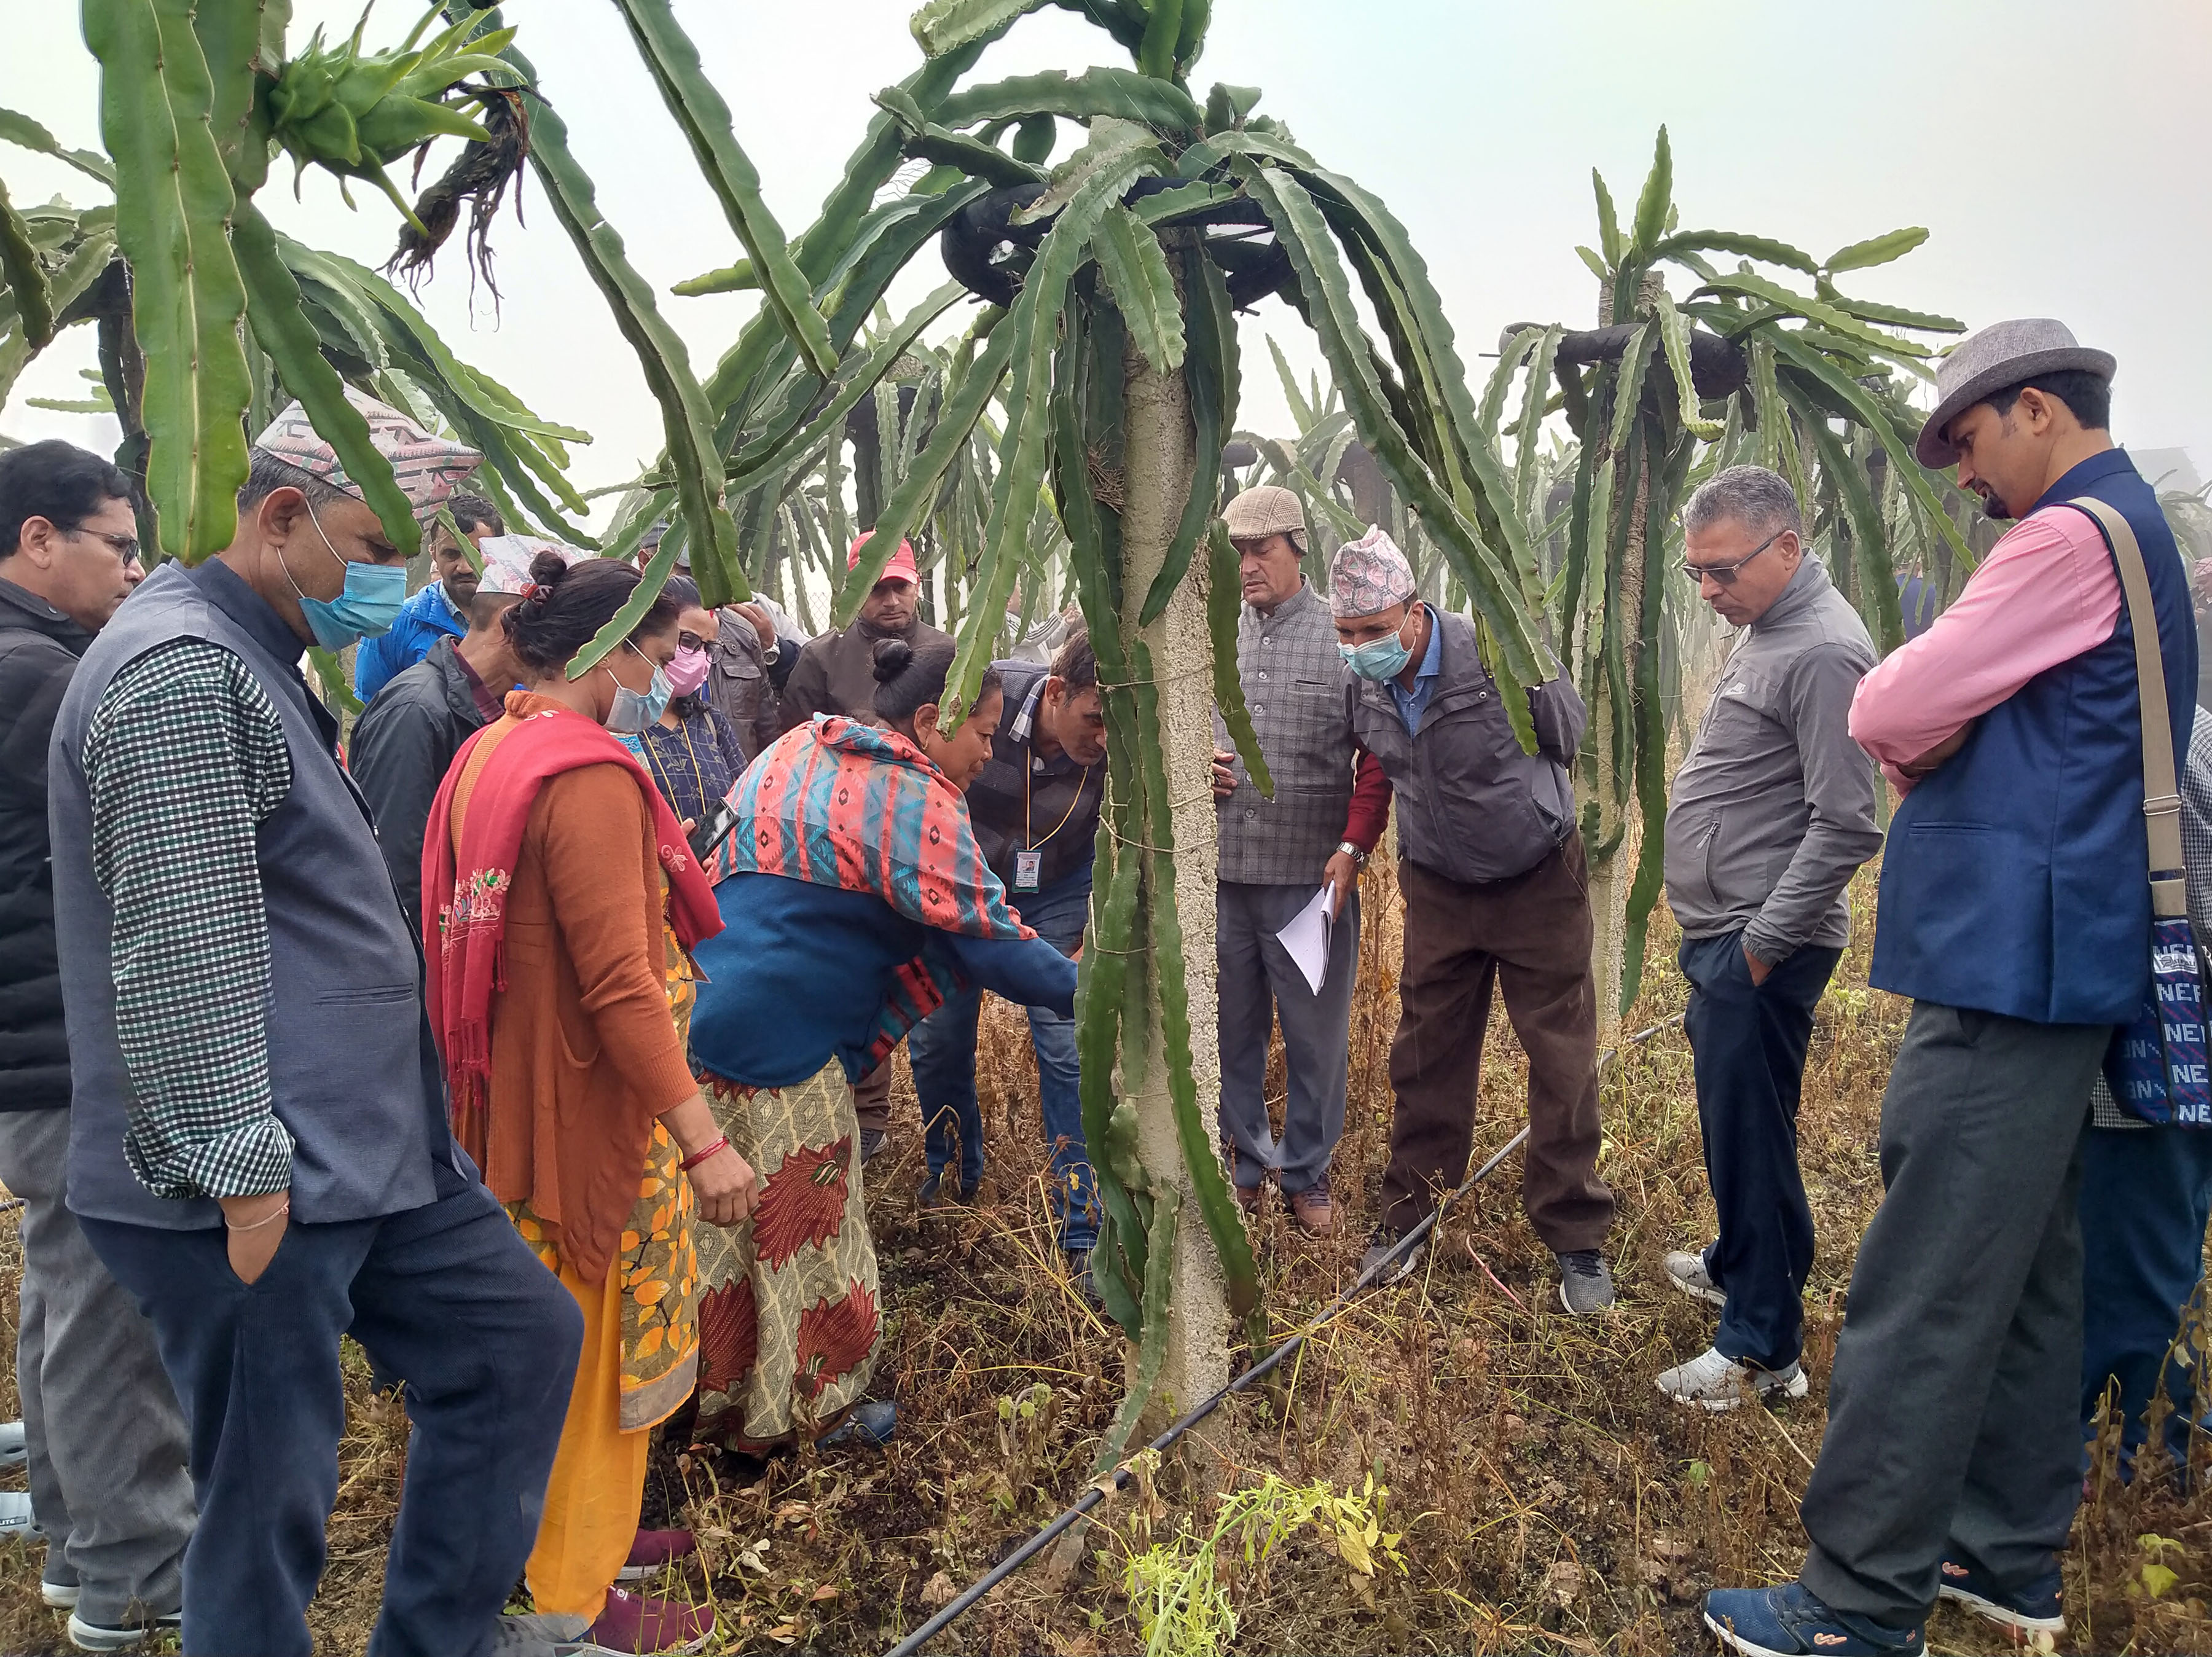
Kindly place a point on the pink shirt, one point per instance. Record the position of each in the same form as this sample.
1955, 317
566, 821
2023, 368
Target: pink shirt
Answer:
2047, 593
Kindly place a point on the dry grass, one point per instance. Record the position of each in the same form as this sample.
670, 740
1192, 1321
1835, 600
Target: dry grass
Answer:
1549, 1498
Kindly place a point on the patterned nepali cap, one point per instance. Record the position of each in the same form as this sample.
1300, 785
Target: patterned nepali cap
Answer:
507, 561
1369, 575
429, 467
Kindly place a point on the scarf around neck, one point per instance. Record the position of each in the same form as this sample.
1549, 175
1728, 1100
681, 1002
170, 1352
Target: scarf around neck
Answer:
465, 889
861, 809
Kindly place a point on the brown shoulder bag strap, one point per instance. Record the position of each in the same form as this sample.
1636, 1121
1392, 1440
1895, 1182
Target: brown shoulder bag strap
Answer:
2162, 792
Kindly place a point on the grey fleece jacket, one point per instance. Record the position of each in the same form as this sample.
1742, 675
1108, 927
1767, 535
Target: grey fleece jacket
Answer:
1773, 808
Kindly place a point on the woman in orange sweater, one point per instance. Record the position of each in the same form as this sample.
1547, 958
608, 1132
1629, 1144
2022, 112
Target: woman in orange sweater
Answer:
560, 902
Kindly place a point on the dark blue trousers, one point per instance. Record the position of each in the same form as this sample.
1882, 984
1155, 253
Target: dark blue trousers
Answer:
447, 1298
942, 1049
1748, 1043
2146, 1198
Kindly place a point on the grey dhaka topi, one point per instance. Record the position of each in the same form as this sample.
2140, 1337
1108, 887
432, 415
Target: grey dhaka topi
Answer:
1264, 509
1989, 360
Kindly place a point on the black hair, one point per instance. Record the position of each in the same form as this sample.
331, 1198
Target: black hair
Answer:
685, 591
569, 604
2089, 396
57, 482
267, 473
908, 677
473, 512
1076, 666
484, 608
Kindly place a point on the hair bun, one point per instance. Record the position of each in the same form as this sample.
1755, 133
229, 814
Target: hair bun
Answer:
547, 569
891, 659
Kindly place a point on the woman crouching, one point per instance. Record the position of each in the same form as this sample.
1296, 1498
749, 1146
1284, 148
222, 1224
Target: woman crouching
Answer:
854, 898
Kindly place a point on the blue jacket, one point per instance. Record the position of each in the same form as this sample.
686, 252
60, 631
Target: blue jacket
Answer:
800, 973
424, 619
2017, 879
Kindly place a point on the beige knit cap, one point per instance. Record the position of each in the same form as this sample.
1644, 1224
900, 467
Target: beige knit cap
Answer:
1264, 510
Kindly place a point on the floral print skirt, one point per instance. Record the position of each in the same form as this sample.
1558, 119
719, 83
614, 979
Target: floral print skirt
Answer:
658, 1265
790, 1316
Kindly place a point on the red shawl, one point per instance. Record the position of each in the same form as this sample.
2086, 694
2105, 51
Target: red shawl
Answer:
465, 894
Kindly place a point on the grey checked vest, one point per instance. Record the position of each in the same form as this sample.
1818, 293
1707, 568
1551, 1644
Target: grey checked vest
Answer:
354, 1074
1294, 683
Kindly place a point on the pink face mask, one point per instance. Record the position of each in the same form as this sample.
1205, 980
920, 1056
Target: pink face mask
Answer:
688, 672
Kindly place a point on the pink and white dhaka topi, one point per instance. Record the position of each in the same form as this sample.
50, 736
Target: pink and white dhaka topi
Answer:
428, 468
1369, 575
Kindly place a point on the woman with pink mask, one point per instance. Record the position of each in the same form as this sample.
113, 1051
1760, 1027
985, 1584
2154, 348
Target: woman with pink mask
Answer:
691, 751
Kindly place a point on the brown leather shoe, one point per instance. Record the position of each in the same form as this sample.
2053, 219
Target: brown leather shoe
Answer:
1312, 1209
1248, 1197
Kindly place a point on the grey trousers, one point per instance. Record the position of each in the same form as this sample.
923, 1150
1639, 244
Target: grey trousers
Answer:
1954, 1412
110, 1489
1258, 980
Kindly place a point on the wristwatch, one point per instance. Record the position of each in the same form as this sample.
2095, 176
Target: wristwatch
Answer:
1352, 852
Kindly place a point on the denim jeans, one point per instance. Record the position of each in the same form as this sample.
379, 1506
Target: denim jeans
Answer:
943, 1050
2146, 1195
1748, 1043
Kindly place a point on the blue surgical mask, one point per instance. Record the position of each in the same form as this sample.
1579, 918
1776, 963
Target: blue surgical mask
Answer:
368, 603
1379, 659
636, 711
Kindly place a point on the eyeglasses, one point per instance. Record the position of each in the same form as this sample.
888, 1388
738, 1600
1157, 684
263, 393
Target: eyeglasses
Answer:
125, 546
1726, 573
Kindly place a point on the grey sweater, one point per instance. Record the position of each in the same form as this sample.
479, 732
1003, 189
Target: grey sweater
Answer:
1773, 808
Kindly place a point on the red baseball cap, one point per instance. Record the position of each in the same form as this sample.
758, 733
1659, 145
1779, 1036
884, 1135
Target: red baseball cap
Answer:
901, 568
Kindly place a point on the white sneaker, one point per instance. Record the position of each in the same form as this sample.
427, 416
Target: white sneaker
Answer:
13, 1452
1711, 1381
14, 1515
1687, 1271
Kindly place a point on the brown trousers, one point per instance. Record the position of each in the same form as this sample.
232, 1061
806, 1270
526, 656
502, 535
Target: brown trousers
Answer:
1531, 933
872, 1099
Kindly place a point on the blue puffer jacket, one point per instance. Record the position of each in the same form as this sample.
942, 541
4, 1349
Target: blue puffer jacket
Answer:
424, 619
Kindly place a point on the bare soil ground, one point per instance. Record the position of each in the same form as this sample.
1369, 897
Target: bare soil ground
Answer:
1546, 1498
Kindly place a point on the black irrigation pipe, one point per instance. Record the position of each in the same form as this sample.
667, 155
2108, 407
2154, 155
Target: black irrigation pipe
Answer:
1101, 1489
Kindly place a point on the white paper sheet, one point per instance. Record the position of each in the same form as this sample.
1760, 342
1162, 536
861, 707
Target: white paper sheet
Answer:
1306, 937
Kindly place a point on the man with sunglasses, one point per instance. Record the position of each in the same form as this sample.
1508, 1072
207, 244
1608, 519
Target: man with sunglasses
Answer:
1771, 814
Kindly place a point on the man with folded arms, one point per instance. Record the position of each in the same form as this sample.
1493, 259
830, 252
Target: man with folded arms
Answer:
2015, 911
1772, 811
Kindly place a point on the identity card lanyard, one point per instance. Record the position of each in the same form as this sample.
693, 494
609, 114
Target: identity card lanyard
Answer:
1029, 862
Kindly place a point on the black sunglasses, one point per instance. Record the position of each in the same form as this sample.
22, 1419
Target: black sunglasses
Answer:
1725, 574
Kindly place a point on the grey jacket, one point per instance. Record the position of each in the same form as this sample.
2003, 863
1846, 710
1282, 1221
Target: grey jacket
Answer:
738, 683
1773, 808
402, 744
1472, 807
1294, 682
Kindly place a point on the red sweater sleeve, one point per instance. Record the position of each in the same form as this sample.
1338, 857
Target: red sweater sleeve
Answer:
1369, 813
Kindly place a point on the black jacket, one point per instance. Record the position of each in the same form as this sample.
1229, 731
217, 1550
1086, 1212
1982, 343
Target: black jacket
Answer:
402, 744
38, 652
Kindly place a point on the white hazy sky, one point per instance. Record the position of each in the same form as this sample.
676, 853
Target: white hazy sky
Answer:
2056, 151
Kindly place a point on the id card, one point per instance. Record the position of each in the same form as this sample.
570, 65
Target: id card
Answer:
1029, 867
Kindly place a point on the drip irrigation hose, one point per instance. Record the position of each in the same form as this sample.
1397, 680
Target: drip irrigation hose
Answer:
1100, 1489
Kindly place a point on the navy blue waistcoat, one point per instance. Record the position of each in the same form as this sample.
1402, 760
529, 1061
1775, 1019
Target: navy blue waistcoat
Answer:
2016, 876
354, 1074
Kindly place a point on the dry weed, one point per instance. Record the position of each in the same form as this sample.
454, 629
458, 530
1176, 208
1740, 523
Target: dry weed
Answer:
1549, 1498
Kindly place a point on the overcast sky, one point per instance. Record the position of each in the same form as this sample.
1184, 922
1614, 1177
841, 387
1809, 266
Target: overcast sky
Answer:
2057, 152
